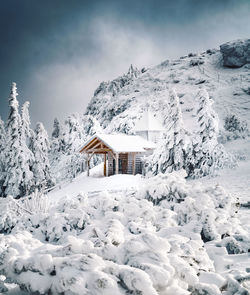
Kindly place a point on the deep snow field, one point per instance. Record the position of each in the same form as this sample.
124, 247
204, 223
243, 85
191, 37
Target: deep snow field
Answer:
132, 235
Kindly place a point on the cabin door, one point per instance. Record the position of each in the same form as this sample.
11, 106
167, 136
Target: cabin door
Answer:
123, 164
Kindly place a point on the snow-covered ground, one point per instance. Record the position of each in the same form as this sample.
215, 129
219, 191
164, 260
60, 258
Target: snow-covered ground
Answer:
96, 183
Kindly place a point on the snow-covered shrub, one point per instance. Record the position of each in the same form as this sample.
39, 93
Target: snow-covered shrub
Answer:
196, 62
235, 127
149, 241
36, 203
246, 90
107, 244
16, 214
169, 187
205, 211
9, 214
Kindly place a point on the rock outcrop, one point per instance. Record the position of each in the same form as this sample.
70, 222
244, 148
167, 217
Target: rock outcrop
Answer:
236, 53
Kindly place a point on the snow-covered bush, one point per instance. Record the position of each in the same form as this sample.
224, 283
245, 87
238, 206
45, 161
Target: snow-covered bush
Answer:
235, 127
16, 214
169, 187
196, 62
209, 212
149, 241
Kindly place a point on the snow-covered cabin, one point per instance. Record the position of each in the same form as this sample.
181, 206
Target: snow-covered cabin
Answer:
122, 153
149, 127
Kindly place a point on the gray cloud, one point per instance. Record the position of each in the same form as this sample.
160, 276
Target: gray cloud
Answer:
59, 51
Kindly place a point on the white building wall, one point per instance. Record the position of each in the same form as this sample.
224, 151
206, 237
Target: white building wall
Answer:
153, 136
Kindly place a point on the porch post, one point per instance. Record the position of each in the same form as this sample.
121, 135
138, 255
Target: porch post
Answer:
134, 162
105, 164
116, 163
87, 164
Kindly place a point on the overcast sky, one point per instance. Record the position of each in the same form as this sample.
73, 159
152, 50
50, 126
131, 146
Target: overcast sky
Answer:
58, 51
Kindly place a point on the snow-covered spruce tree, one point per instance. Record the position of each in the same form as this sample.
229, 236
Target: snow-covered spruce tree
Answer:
55, 141
170, 153
2, 156
91, 126
133, 72
19, 177
27, 133
25, 117
41, 167
66, 140
56, 129
72, 134
206, 155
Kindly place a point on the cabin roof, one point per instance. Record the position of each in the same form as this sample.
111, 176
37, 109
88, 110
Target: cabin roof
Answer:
121, 143
148, 123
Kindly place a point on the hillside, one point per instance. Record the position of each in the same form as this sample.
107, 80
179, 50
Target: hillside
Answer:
117, 104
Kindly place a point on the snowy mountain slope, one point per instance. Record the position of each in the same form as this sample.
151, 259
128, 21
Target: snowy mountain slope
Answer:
227, 87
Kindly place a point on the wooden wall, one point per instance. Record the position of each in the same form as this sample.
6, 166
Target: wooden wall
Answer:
127, 158
110, 164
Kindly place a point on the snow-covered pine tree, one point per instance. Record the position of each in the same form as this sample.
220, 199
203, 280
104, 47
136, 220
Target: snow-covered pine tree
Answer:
65, 156
26, 133
91, 126
40, 147
55, 141
25, 117
133, 72
170, 154
204, 156
19, 178
56, 129
207, 119
2, 157
72, 134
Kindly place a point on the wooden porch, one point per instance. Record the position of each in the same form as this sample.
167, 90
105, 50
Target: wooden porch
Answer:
114, 162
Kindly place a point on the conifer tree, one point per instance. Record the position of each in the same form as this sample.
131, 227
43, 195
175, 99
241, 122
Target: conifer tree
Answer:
2, 156
19, 178
208, 120
56, 141
203, 157
56, 129
73, 135
27, 132
91, 126
41, 167
170, 154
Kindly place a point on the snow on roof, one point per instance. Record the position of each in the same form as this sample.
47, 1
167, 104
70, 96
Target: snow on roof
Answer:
123, 143
148, 123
